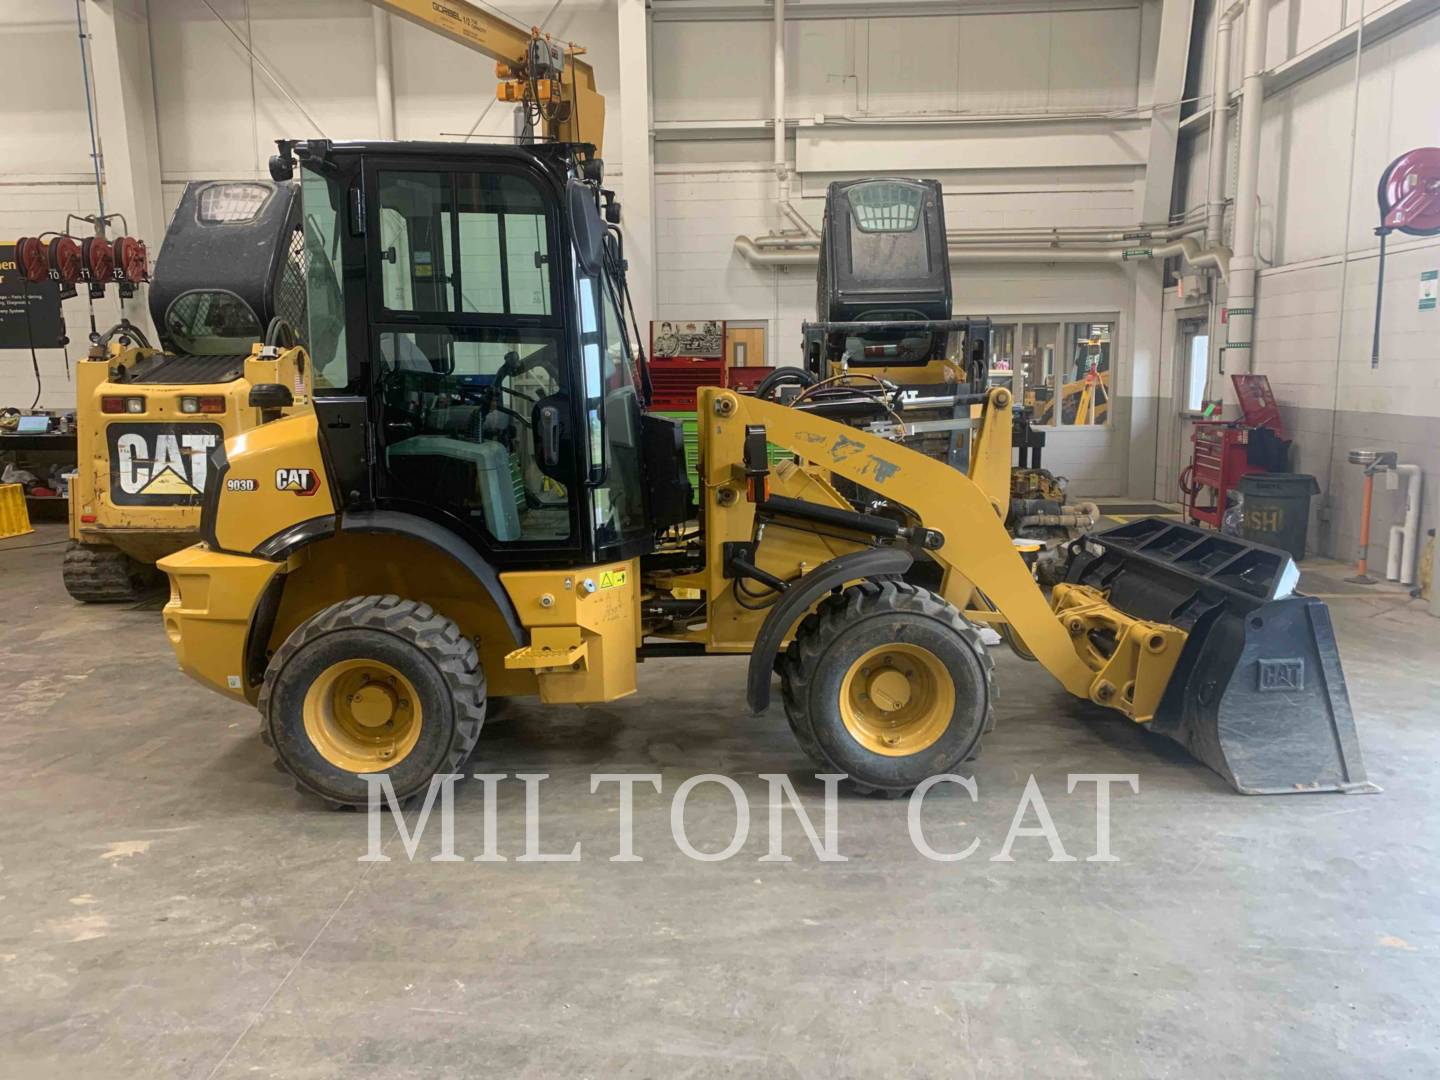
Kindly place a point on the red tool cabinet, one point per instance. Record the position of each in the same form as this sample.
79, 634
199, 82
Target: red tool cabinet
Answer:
1223, 451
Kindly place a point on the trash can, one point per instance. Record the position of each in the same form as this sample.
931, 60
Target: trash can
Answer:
1277, 509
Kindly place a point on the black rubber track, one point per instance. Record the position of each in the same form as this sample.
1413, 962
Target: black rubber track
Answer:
841, 611
105, 575
438, 637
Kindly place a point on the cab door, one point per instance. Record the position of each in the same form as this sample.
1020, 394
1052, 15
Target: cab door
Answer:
469, 344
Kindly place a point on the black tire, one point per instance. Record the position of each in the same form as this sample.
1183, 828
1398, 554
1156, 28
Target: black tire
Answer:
855, 623
106, 575
425, 647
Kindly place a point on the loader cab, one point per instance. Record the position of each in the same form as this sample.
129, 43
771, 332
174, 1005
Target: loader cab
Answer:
472, 362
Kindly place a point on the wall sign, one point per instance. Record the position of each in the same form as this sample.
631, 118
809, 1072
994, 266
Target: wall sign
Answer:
673, 338
1427, 289
42, 325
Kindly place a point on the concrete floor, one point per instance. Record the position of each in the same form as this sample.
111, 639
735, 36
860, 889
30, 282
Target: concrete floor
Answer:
170, 907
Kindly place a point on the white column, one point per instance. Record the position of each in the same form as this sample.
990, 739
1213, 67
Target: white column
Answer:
637, 157
384, 88
1147, 396
125, 114
125, 118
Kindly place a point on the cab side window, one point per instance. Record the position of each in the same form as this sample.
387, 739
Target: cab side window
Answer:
466, 255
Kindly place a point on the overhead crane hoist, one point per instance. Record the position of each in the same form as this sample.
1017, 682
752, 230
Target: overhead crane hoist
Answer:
544, 76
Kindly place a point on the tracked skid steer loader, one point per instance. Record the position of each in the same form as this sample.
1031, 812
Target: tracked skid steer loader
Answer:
228, 298
479, 507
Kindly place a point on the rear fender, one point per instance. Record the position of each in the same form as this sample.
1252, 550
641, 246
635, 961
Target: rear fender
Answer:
386, 552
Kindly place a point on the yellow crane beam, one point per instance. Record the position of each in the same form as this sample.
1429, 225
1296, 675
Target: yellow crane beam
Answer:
573, 110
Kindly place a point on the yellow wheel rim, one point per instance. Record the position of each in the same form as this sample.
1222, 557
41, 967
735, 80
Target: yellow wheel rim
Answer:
362, 716
897, 699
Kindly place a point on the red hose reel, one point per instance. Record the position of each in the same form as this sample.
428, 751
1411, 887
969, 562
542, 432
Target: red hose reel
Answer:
69, 261
1409, 197
132, 261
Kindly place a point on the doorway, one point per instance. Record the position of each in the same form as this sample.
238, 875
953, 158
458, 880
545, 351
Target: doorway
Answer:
1191, 389
745, 344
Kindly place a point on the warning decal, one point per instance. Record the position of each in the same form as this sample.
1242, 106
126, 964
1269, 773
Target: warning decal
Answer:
612, 579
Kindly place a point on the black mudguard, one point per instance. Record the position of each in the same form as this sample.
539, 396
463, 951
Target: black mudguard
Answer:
801, 597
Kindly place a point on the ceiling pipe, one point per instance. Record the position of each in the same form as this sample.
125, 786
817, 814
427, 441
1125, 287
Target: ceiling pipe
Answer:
1036, 237
1216, 258
778, 70
1219, 120
384, 86
782, 164
1240, 301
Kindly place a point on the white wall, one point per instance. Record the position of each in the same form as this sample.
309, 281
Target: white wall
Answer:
1062, 142
219, 113
1317, 231
45, 170
1061, 146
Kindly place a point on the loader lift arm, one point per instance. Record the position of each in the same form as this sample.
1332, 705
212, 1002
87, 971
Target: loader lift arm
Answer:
1197, 636
545, 76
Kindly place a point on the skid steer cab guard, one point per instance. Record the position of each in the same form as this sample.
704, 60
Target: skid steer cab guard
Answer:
479, 508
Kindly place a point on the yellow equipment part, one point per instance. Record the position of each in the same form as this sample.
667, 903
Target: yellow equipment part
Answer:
279, 482
584, 630
897, 699
14, 515
969, 511
144, 497
212, 604
581, 113
363, 715
1133, 676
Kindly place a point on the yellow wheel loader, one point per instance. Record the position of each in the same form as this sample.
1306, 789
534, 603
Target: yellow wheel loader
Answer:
228, 299
478, 507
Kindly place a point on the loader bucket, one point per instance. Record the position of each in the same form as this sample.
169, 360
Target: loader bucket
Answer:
1258, 693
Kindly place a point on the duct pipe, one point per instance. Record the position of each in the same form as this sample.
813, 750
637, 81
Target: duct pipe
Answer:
1217, 258
384, 87
1400, 554
782, 165
956, 237
1219, 118
781, 169
1240, 300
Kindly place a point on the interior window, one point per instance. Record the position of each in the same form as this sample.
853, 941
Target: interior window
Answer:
458, 408
1195, 341
1037, 369
1086, 396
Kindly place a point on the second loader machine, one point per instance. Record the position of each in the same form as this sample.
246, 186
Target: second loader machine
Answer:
885, 323
478, 506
